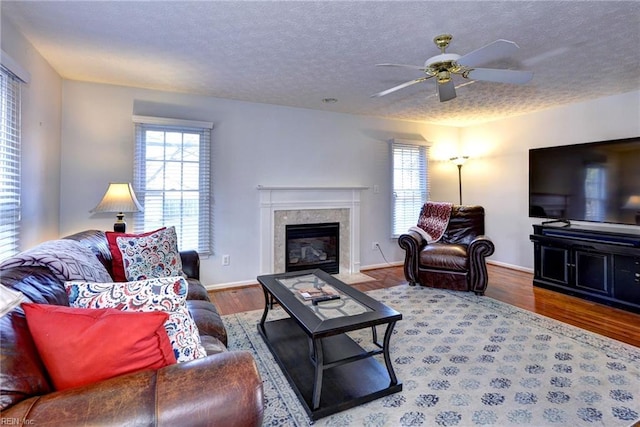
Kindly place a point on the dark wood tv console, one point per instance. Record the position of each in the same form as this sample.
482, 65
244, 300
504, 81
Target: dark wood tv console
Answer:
597, 264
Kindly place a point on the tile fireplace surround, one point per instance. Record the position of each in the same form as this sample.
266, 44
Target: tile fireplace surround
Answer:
280, 206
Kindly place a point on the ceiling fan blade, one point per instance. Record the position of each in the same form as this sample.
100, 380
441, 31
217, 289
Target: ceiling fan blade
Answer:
415, 67
501, 76
465, 84
401, 86
495, 50
446, 91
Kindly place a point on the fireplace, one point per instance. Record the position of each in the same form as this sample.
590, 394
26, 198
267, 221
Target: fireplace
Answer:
281, 206
309, 246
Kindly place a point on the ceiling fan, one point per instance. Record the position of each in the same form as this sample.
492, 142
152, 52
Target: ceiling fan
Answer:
445, 65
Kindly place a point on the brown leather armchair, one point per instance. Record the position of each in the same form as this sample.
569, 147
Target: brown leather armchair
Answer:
457, 261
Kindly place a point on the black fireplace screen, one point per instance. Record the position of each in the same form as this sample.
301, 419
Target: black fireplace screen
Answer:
310, 246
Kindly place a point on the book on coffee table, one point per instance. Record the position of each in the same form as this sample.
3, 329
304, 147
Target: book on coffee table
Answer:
324, 293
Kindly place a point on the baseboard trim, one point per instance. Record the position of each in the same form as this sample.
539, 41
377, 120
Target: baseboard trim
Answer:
228, 285
384, 265
511, 266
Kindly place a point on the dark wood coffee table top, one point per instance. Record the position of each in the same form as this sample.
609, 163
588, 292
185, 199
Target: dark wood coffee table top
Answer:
354, 310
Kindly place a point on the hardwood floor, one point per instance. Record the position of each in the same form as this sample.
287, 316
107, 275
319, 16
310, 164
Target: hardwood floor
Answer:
506, 285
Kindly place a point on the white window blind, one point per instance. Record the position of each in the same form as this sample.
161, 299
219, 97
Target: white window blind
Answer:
9, 163
595, 193
172, 179
410, 184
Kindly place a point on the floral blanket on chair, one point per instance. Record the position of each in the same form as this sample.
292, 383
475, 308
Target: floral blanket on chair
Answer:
433, 220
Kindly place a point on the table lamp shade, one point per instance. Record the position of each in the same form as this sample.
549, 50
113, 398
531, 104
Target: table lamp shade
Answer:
119, 198
633, 202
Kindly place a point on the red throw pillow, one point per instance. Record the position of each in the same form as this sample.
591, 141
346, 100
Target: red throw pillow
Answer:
81, 346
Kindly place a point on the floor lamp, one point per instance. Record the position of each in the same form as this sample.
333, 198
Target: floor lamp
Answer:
459, 161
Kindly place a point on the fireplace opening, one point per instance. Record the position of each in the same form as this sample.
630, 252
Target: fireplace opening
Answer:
309, 246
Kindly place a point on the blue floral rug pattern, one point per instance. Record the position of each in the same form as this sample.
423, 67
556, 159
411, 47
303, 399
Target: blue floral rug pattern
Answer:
466, 360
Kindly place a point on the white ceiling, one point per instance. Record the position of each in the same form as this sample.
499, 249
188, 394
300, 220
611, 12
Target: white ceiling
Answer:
297, 53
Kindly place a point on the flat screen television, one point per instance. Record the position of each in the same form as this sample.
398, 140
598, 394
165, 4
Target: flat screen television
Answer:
595, 182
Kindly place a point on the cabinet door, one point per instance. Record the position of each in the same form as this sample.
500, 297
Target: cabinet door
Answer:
554, 264
592, 271
627, 279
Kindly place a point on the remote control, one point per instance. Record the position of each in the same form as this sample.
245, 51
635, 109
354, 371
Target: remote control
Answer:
315, 301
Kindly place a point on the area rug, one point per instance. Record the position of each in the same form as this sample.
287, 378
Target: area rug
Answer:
466, 360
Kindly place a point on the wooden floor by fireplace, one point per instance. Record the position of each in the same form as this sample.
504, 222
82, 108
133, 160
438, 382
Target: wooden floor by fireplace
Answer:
507, 285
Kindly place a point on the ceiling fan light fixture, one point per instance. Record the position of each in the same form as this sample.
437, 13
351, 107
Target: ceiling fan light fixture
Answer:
444, 76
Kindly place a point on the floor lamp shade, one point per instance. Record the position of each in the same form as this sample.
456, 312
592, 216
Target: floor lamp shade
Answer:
119, 198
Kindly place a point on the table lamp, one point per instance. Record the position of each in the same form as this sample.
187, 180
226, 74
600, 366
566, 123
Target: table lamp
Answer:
119, 198
633, 202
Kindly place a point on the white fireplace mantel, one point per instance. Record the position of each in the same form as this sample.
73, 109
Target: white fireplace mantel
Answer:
291, 198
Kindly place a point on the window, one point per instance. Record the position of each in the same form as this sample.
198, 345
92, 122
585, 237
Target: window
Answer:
410, 184
172, 179
9, 163
595, 193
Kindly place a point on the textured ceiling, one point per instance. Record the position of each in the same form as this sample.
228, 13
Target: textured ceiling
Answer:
297, 53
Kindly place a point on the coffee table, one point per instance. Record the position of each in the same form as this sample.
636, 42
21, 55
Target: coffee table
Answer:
326, 368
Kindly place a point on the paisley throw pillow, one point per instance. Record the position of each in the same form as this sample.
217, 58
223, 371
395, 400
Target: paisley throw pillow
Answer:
166, 294
145, 256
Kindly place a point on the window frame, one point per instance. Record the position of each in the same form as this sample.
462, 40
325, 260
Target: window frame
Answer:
595, 192
200, 192
402, 219
13, 76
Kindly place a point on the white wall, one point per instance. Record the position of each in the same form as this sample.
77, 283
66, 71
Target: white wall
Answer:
41, 118
78, 136
253, 144
497, 174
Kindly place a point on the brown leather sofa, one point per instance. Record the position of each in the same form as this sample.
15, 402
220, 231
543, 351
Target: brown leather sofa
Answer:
457, 261
222, 389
